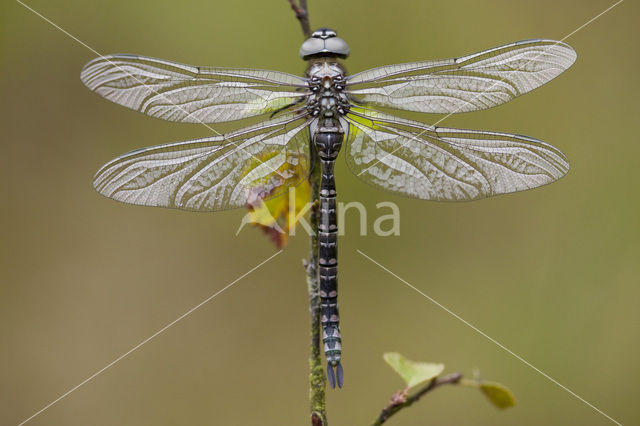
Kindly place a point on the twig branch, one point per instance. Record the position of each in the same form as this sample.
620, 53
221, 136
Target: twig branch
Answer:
400, 401
317, 386
316, 370
302, 14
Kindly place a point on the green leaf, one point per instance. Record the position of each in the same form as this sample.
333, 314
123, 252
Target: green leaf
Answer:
413, 373
498, 394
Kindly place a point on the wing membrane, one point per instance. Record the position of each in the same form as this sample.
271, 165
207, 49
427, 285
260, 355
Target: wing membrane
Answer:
189, 94
468, 83
437, 163
214, 173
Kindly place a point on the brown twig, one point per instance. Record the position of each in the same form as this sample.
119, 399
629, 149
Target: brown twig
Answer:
317, 386
316, 371
302, 14
400, 400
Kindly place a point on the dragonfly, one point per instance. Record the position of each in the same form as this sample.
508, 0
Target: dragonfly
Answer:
307, 120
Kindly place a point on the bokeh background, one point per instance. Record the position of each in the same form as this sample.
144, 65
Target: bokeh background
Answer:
550, 273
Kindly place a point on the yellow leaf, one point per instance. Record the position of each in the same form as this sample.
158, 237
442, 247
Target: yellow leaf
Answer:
498, 394
412, 372
261, 215
277, 216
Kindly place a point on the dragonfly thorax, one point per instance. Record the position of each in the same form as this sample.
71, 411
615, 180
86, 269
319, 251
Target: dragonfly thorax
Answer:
326, 81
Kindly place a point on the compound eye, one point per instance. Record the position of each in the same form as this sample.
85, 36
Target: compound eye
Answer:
337, 45
311, 46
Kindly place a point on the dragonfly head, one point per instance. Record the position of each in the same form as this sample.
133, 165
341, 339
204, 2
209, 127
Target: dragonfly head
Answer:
324, 42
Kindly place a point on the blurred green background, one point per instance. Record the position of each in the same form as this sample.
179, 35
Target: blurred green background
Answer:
550, 273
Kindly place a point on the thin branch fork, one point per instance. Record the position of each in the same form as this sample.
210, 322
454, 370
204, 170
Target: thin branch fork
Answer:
303, 16
400, 399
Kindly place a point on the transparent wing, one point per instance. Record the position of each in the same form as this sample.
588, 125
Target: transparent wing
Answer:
469, 83
437, 163
189, 94
214, 173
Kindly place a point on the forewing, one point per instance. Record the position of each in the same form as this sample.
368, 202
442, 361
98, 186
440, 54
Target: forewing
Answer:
469, 83
189, 94
214, 173
437, 163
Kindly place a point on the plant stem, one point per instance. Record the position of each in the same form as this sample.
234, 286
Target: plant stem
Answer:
393, 407
303, 16
317, 385
316, 373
